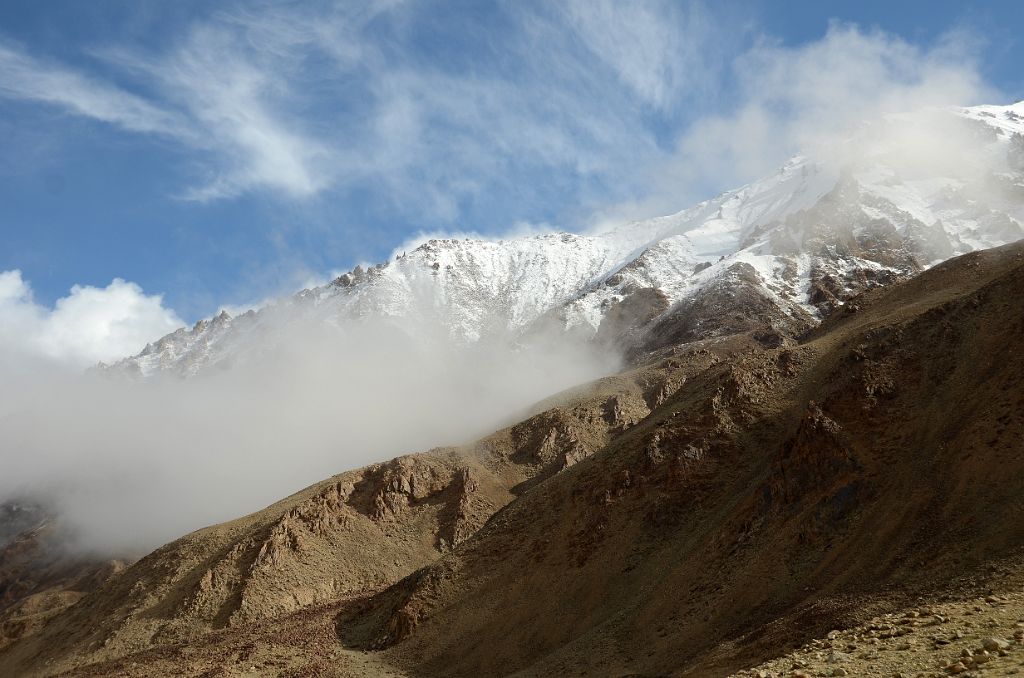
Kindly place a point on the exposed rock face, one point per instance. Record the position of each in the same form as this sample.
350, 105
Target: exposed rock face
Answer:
624, 319
388, 490
819, 468
350, 535
816, 457
466, 510
734, 303
552, 443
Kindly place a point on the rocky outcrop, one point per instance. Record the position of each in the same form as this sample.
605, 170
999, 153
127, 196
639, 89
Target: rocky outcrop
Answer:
771, 495
735, 303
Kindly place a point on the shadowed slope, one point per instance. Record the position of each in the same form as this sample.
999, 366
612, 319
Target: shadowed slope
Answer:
691, 517
351, 534
786, 485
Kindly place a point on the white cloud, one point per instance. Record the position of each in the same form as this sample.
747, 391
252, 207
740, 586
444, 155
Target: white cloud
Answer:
302, 99
590, 106
807, 99
659, 49
810, 99
89, 325
24, 77
231, 441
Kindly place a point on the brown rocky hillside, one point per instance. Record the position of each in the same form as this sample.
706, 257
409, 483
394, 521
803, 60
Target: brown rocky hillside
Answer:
718, 506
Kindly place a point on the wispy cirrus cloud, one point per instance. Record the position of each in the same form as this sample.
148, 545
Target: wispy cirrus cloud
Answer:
232, 99
660, 50
216, 94
210, 101
439, 118
23, 76
304, 100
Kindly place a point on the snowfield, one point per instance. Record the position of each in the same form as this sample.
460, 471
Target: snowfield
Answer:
813, 233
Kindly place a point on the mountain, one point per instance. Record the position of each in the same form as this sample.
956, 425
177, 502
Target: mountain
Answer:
776, 495
39, 575
794, 245
812, 459
709, 511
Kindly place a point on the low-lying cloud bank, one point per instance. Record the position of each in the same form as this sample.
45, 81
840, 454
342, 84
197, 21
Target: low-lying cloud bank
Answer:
131, 464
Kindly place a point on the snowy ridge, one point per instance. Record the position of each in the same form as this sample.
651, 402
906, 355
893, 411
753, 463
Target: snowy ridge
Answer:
810, 235
1007, 120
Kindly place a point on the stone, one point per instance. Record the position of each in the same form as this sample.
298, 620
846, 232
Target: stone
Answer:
994, 644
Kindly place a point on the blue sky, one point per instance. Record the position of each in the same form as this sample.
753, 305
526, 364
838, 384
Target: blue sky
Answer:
220, 153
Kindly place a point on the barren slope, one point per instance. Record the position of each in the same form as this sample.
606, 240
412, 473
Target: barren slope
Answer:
731, 499
775, 493
349, 535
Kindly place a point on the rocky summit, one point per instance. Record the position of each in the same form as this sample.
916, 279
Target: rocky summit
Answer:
788, 249
810, 465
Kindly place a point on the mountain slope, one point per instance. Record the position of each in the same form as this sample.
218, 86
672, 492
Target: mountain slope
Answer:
704, 513
809, 432
791, 486
356, 532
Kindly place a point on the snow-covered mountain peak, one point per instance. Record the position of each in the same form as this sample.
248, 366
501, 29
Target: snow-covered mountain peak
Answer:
797, 242
1006, 120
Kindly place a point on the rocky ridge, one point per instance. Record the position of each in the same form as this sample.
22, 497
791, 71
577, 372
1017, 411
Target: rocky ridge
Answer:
801, 241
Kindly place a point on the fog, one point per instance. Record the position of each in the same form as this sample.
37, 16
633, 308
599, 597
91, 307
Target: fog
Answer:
129, 464
813, 98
